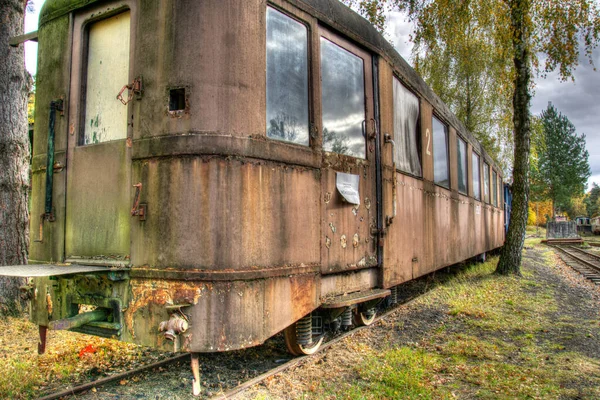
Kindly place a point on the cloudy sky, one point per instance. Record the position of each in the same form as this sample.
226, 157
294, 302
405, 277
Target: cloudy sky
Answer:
577, 100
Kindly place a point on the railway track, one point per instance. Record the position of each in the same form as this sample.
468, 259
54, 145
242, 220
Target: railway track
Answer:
584, 262
232, 390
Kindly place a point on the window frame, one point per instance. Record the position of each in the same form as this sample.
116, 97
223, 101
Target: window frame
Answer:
446, 131
478, 169
292, 14
495, 185
366, 57
466, 159
88, 19
486, 177
418, 133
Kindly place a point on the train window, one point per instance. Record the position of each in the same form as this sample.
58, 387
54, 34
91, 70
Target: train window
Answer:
406, 117
440, 154
495, 188
106, 73
461, 161
287, 79
343, 100
486, 182
476, 181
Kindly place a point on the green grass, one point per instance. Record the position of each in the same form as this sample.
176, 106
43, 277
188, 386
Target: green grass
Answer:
500, 341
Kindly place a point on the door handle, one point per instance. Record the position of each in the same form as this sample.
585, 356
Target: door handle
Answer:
138, 209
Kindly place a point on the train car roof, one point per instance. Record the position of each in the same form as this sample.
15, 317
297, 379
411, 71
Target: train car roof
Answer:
346, 21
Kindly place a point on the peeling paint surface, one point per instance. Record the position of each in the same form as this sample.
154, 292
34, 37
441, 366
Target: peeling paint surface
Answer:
151, 293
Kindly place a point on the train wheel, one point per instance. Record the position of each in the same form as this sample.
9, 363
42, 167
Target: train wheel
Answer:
296, 333
364, 318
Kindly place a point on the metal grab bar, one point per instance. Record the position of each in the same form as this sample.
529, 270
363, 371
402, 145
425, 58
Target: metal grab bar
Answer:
389, 220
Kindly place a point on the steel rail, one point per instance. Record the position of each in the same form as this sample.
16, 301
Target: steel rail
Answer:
587, 253
595, 266
90, 385
589, 270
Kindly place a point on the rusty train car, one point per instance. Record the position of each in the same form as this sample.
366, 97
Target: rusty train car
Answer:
215, 172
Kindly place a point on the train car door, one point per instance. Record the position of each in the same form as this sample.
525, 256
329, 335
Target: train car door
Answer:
348, 176
99, 158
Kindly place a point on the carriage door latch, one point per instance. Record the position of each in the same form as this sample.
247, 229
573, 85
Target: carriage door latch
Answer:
138, 209
134, 88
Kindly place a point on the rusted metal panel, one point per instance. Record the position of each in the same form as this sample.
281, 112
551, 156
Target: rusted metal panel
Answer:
221, 145
214, 51
256, 310
52, 84
215, 213
337, 284
348, 242
98, 203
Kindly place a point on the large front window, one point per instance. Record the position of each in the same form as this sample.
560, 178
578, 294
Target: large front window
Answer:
287, 79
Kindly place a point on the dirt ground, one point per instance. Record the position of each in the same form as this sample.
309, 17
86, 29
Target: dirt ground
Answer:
411, 326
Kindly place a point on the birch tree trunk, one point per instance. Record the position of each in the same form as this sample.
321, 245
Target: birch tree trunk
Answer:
14, 152
510, 257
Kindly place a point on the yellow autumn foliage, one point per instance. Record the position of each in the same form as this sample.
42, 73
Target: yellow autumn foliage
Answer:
539, 213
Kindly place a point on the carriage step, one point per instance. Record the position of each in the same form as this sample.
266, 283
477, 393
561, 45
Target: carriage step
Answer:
354, 298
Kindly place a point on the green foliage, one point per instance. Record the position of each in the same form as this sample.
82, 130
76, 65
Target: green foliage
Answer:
560, 169
592, 201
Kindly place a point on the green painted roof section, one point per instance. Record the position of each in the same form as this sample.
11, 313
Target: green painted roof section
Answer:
57, 8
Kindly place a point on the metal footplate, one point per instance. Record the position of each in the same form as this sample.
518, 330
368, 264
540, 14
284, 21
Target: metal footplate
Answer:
354, 298
32, 270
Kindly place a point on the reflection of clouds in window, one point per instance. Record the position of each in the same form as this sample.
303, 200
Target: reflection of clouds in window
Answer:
440, 153
343, 98
462, 165
406, 115
287, 78
476, 184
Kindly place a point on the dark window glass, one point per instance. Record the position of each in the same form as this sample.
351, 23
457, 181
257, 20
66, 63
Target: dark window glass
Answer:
440, 154
495, 188
287, 78
486, 182
343, 100
406, 117
462, 165
476, 181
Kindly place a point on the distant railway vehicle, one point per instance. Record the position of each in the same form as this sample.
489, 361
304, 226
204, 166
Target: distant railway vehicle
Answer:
584, 225
207, 174
595, 225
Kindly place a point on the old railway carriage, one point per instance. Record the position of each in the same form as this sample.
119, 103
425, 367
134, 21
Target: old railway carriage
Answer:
209, 173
